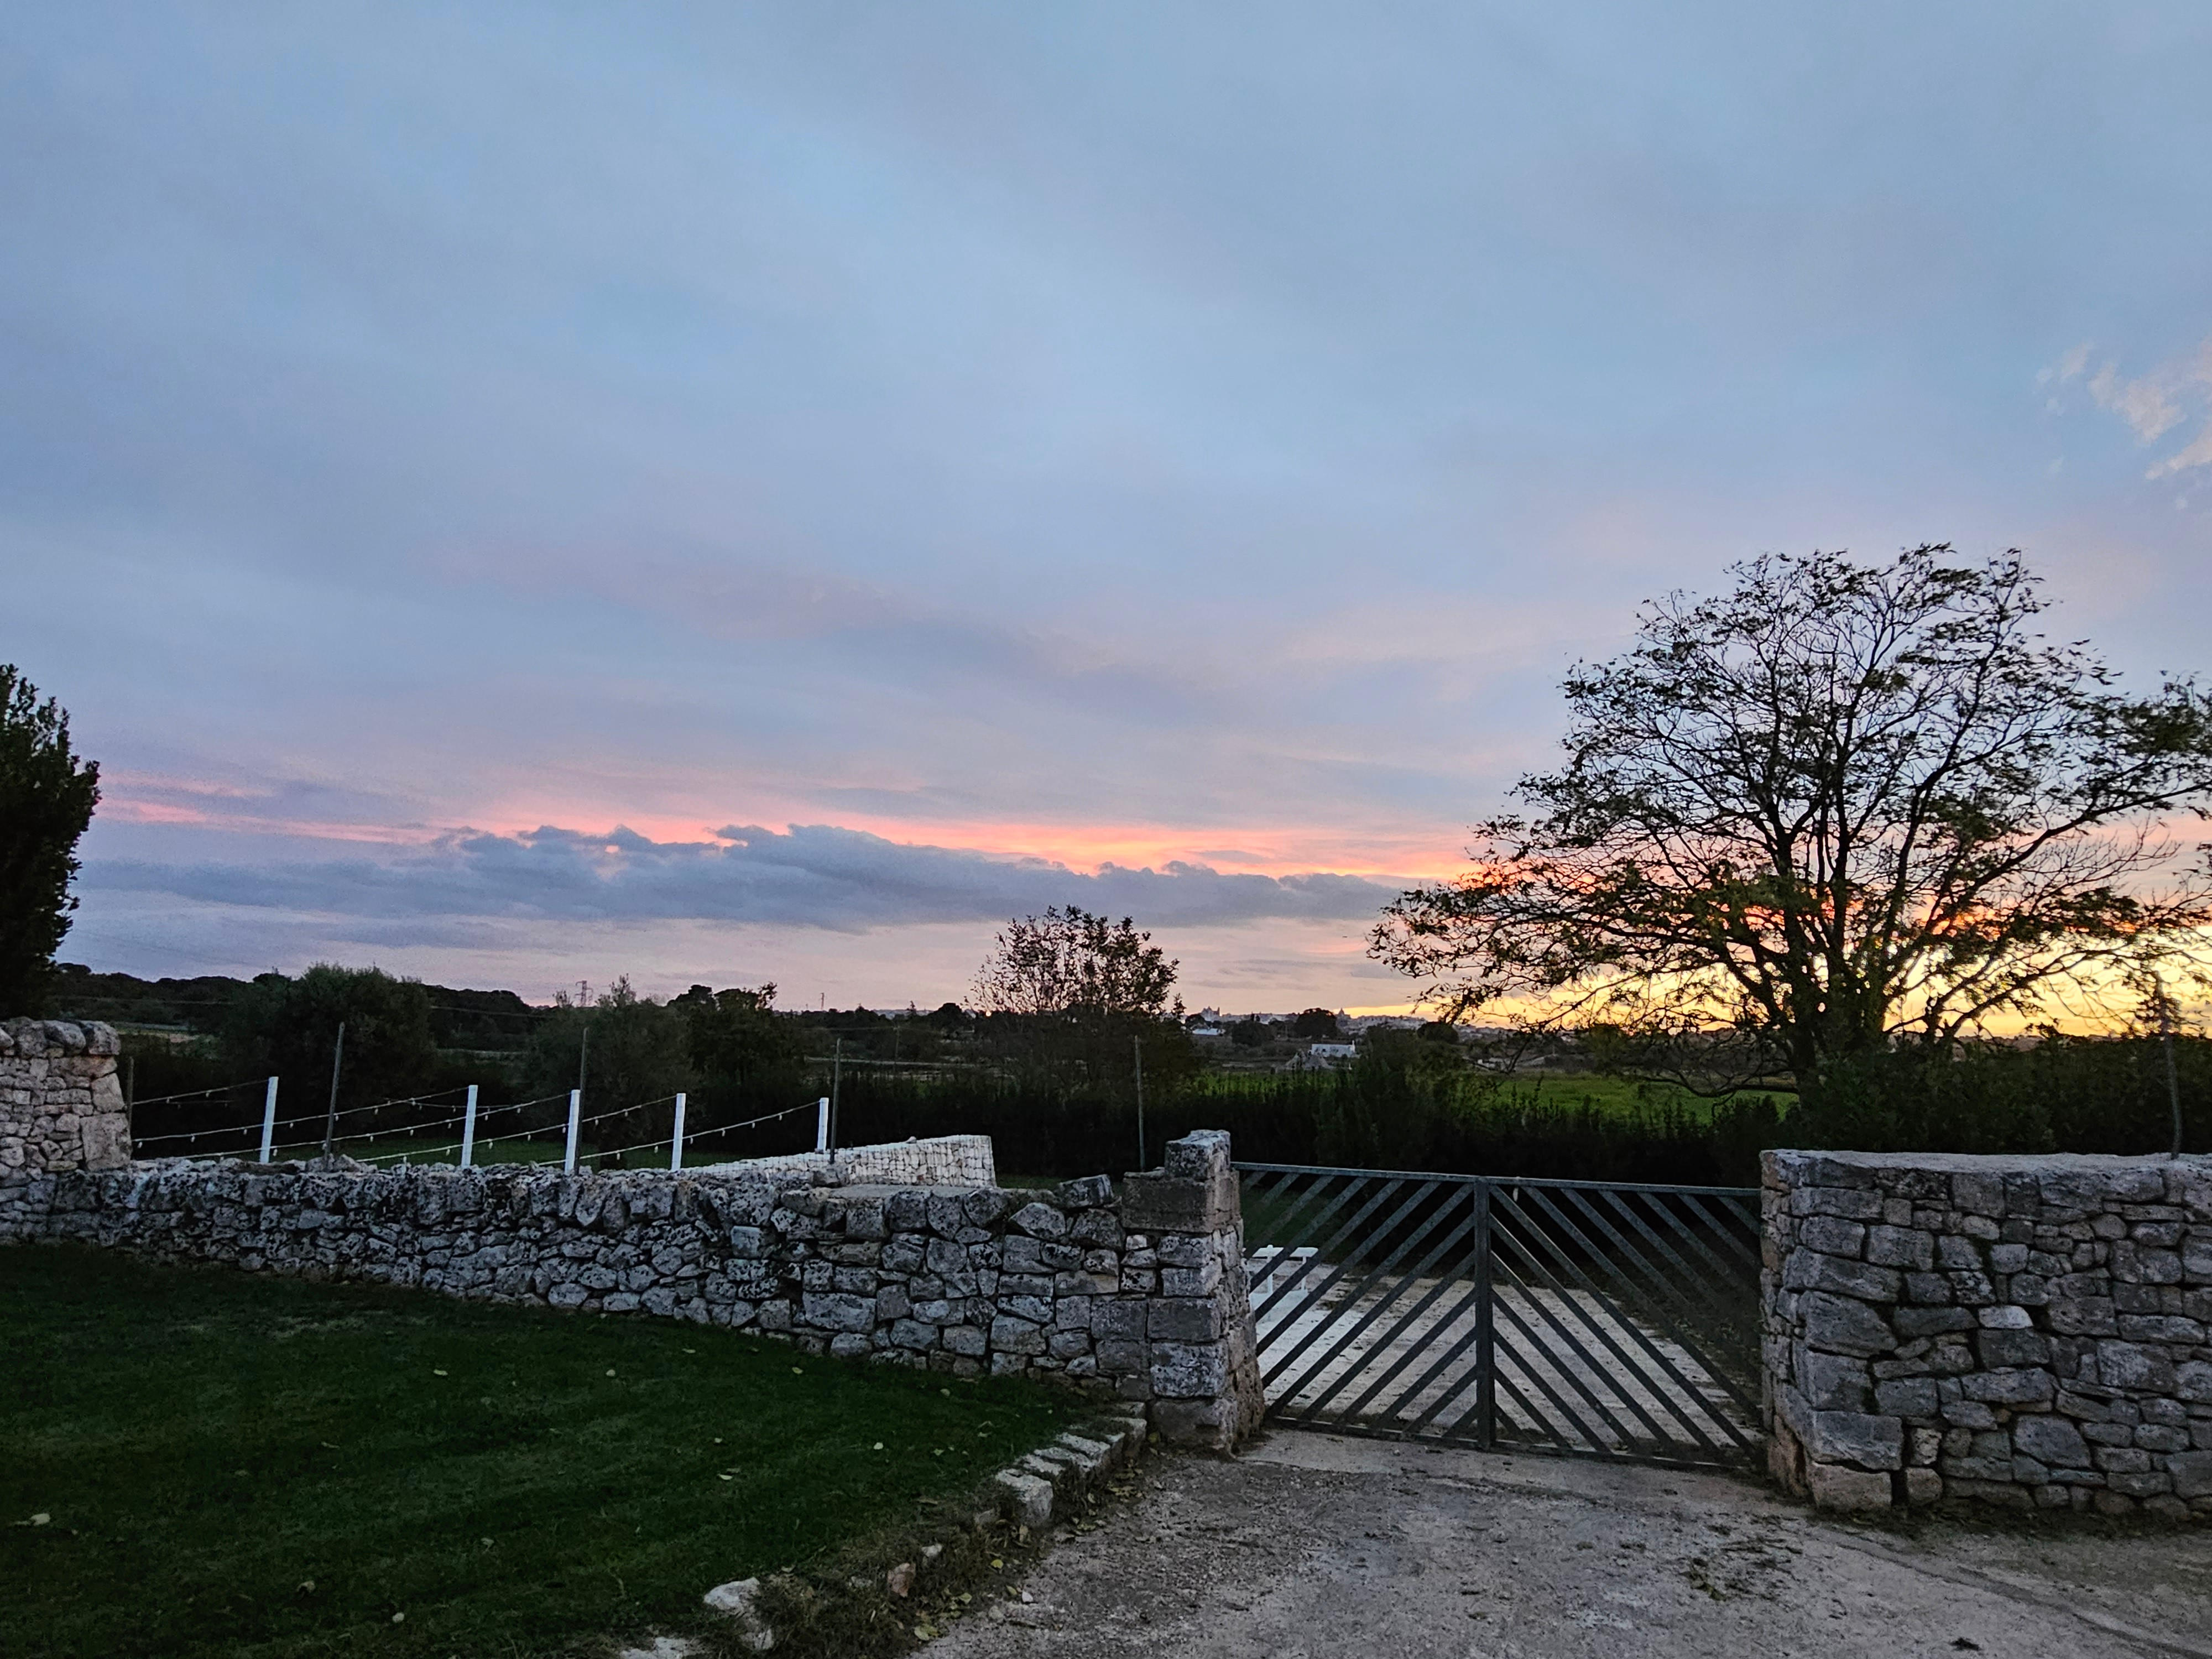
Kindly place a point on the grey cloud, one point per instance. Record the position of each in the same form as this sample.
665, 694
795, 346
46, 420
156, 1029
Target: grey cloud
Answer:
818, 876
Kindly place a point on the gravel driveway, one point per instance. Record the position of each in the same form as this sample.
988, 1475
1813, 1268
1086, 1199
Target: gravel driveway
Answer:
1309, 1546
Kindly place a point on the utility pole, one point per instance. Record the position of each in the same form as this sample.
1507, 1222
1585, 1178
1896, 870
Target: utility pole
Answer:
836, 1074
2172, 1081
1137, 1055
331, 1121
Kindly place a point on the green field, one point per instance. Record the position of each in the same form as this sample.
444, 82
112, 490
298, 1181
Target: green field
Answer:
1620, 1097
201, 1462
1615, 1097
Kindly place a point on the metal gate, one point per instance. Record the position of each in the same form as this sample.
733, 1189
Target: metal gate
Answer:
1596, 1318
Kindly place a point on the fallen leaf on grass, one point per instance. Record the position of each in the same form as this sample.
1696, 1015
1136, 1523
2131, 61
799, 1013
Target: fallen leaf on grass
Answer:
434, 1371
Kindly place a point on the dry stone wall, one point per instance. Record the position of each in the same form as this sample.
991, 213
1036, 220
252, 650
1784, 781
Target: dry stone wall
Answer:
1140, 1296
61, 1105
2028, 1331
939, 1161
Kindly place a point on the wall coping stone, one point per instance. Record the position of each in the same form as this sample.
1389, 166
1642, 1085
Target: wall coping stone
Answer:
1991, 1162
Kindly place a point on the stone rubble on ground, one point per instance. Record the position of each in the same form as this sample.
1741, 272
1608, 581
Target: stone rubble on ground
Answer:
738, 1600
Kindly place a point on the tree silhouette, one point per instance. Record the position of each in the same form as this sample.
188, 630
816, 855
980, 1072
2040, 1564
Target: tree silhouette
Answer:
1839, 804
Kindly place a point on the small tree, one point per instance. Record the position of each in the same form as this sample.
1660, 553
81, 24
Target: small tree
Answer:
743, 1052
633, 1061
1068, 962
1067, 993
1249, 1033
46, 799
1839, 804
289, 1027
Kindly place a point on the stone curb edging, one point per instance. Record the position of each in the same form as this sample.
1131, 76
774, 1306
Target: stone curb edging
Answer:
1052, 1481
1056, 1477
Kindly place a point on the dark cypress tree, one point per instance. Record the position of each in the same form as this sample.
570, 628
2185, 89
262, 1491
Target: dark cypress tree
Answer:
46, 798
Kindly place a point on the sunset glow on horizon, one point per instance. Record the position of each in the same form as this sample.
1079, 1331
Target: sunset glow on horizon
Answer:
742, 495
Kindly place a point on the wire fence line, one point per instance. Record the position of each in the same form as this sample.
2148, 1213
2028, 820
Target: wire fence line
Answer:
754, 1123
269, 1121
539, 1134
194, 1094
446, 1146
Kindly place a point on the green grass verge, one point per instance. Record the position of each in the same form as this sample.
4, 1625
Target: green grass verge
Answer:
243, 1465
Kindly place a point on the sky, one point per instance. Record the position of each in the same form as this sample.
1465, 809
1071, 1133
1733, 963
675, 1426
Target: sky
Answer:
522, 495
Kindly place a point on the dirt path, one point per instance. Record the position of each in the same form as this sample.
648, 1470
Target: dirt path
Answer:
1309, 1546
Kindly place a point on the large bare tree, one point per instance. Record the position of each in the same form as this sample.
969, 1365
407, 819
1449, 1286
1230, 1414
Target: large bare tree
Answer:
1840, 804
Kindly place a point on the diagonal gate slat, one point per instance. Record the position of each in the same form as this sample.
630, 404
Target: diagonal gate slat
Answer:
1605, 1319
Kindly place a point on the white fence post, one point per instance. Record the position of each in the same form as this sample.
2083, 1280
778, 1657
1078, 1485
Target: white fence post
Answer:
469, 1128
675, 1146
575, 1120
822, 1124
269, 1121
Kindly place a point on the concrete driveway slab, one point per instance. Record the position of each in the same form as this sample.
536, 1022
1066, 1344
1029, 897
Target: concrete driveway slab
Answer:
1311, 1545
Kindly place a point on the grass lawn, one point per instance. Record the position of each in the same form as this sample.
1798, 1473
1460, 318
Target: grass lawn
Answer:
243, 1465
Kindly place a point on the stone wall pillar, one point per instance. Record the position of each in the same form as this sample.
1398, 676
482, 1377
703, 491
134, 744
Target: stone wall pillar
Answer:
1184, 1255
2022, 1331
61, 1103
